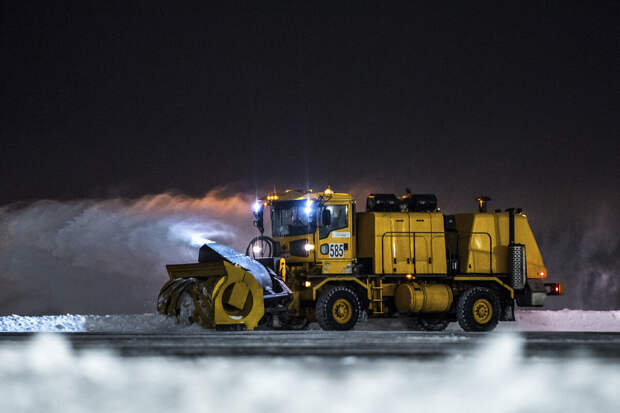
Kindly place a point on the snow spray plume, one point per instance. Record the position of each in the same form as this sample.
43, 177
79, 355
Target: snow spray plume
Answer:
107, 256
585, 255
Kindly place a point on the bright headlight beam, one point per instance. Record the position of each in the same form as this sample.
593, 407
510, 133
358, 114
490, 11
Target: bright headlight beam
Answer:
308, 207
256, 207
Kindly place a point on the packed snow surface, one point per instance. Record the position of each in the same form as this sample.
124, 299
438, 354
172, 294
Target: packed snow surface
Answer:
46, 375
564, 320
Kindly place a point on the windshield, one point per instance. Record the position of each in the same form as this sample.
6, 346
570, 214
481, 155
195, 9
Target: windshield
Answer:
289, 218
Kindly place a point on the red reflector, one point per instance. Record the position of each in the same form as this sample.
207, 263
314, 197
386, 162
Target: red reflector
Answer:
554, 288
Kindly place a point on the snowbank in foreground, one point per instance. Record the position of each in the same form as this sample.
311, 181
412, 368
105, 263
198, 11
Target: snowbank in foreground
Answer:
117, 323
46, 375
47, 323
530, 320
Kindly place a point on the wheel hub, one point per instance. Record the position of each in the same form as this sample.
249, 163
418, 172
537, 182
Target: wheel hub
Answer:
483, 311
342, 311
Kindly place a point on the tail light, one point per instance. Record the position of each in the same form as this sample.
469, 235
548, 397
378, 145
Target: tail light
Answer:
554, 288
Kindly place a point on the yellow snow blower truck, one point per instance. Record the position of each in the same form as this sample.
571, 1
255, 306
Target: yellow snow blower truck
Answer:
401, 257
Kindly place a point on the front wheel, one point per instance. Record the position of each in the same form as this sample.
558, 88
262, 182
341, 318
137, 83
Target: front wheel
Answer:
338, 308
478, 309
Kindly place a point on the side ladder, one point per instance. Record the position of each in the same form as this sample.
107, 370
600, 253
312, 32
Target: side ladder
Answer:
376, 296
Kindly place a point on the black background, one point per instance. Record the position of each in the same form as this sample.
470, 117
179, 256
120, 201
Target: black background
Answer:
515, 100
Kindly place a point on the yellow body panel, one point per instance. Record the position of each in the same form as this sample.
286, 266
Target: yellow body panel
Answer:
225, 294
482, 233
403, 242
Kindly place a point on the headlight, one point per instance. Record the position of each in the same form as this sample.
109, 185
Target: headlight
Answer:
256, 207
256, 249
308, 207
309, 247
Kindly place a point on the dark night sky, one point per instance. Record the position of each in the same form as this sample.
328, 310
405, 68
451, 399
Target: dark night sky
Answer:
105, 98
516, 100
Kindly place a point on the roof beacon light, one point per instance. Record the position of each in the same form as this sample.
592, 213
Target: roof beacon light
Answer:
328, 191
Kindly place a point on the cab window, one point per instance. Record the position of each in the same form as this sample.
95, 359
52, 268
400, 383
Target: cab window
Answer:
339, 219
290, 218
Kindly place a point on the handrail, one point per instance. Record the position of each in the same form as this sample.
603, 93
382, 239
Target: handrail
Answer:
445, 233
403, 233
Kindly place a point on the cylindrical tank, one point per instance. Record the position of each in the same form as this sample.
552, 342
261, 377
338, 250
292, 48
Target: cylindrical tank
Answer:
423, 298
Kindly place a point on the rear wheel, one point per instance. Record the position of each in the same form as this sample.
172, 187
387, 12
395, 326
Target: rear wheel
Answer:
478, 309
338, 308
430, 324
290, 323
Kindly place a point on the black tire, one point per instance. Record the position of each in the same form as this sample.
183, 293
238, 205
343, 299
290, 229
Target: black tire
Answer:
294, 323
338, 308
429, 324
478, 309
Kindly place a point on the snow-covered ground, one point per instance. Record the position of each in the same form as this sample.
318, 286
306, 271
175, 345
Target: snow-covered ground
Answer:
564, 320
46, 375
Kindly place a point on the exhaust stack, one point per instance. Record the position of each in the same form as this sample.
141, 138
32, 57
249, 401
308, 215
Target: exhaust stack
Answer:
482, 203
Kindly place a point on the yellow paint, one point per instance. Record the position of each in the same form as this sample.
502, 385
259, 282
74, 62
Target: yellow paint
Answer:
342, 311
225, 295
492, 279
423, 298
328, 265
403, 242
282, 269
482, 311
336, 279
475, 244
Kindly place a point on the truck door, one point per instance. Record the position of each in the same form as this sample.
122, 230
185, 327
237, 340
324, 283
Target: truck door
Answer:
335, 238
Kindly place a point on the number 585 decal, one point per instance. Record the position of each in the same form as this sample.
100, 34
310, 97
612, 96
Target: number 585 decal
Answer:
336, 250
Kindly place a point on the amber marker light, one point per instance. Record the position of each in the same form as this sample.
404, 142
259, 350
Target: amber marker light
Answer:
307, 284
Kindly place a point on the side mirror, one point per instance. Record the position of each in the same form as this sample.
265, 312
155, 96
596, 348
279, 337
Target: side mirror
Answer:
326, 217
258, 221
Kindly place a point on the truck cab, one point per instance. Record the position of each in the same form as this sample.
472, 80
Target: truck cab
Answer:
315, 229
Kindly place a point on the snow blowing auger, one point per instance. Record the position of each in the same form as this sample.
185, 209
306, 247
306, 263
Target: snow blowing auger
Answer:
402, 257
224, 290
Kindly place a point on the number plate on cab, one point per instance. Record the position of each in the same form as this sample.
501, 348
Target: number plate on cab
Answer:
336, 250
